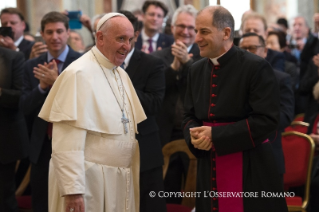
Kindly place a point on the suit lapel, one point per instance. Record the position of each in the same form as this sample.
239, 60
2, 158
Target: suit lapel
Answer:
69, 58
160, 41
139, 42
168, 55
133, 64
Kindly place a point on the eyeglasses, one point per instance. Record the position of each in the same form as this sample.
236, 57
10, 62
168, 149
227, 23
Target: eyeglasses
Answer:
154, 14
182, 27
252, 48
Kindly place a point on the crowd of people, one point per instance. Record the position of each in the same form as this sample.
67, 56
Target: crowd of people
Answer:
91, 120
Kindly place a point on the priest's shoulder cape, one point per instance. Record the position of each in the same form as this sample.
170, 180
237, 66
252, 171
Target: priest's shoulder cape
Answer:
82, 97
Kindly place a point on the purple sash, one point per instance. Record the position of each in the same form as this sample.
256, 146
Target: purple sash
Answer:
229, 178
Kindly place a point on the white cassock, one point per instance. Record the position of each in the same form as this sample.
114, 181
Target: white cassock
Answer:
91, 154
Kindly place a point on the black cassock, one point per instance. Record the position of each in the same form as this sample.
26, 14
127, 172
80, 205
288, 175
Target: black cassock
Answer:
242, 92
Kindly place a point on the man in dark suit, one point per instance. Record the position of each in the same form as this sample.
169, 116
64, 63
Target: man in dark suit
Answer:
148, 78
12, 17
150, 38
178, 58
13, 130
40, 74
256, 23
250, 41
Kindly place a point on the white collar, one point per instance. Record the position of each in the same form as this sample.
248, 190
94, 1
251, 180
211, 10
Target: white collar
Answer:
146, 38
128, 58
215, 60
17, 42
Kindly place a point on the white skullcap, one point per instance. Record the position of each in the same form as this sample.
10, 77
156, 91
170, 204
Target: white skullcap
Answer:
105, 18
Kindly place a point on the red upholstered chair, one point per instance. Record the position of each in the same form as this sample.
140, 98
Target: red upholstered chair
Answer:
298, 126
177, 208
298, 152
24, 202
299, 117
190, 184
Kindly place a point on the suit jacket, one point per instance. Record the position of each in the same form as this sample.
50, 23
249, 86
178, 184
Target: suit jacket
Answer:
13, 130
286, 116
176, 83
32, 100
276, 60
163, 41
307, 83
147, 75
25, 47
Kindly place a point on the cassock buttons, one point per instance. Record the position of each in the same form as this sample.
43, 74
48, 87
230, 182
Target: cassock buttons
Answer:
214, 95
214, 75
214, 85
215, 209
213, 178
213, 105
214, 198
214, 189
214, 169
211, 115
213, 159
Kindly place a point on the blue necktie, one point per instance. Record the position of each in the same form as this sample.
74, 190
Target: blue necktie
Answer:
122, 66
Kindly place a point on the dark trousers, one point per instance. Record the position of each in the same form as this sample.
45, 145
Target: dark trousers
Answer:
8, 202
39, 179
152, 180
177, 170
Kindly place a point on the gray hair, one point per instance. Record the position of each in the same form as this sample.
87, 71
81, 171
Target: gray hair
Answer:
299, 16
190, 9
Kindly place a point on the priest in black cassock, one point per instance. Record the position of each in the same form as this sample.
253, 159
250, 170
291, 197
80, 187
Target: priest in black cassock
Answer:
231, 108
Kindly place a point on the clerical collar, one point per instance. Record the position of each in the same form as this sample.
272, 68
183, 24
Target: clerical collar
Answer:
128, 58
102, 59
215, 60
17, 42
145, 37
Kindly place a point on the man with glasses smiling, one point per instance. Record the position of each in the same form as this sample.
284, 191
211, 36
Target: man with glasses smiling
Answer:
150, 38
256, 44
177, 58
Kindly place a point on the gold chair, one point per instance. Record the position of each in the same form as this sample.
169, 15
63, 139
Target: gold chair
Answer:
190, 184
24, 202
298, 126
298, 152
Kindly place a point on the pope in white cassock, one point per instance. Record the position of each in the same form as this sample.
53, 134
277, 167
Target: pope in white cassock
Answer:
95, 110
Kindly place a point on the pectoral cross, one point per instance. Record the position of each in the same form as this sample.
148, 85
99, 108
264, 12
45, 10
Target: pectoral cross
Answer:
124, 120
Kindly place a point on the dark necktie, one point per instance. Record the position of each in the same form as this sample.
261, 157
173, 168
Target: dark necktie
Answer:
150, 47
49, 130
123, 65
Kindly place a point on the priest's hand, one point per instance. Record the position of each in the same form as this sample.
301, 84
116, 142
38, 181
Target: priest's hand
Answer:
75, 202
37, 49
201, 137
179, 50
46, 74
